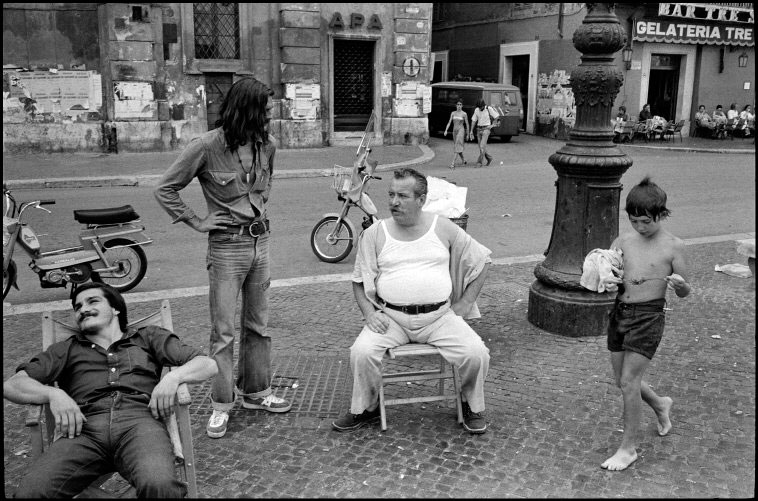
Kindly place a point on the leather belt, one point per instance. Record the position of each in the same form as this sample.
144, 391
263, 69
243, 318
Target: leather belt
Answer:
413, 309
254, 229
647, 307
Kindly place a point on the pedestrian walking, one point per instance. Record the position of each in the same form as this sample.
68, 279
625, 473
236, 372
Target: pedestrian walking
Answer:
234, 164
654, 260
485, 118
459, 119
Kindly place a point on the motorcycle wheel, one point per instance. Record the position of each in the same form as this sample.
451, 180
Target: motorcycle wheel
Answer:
331, 252
131, 261
9, 277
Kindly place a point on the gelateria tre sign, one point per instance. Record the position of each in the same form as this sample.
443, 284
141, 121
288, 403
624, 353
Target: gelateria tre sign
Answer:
692, 33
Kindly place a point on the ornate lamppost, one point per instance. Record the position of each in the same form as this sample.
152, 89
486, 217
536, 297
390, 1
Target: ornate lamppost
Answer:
589, 171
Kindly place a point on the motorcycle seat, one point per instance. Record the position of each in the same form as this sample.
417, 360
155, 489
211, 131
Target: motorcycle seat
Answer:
111, 215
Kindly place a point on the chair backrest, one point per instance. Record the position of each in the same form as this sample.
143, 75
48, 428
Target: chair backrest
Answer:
54, 331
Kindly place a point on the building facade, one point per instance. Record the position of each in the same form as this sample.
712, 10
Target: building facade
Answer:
150, 77
679, 56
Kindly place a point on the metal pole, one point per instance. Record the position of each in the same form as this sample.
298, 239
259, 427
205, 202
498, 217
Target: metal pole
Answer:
589, 171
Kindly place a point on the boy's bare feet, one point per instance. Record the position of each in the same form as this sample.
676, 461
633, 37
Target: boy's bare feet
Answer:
619, 461
664, 421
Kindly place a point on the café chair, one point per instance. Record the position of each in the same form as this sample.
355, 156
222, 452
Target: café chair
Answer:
444, 370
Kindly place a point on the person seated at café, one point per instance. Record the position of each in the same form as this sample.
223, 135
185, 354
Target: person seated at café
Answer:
705, 124
732, 114
719, 116
618, 123
646, 114
748, 119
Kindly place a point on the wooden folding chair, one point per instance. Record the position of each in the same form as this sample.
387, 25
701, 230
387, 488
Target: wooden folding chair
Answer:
178, 426
444, 371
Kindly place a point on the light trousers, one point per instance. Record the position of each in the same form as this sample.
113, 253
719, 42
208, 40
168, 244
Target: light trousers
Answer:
456, 340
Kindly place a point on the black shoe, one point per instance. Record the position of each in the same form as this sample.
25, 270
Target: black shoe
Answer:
473, 422
350, 422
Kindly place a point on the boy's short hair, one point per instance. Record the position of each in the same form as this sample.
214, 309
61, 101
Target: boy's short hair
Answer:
647, 199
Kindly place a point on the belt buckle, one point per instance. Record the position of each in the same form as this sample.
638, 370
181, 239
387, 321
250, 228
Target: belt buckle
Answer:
256, 228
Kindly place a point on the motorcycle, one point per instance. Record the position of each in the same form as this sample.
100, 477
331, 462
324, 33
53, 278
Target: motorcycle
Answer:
110, 251
333, 237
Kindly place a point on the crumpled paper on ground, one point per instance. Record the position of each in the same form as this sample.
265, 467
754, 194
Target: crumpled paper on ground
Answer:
735, 270
444, 198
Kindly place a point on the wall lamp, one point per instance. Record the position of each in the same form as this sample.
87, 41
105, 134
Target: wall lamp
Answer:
626, 54
742, 60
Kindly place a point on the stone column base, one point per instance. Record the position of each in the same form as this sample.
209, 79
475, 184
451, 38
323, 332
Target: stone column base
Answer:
571, 313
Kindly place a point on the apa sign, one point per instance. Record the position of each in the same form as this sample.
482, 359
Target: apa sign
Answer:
356, 21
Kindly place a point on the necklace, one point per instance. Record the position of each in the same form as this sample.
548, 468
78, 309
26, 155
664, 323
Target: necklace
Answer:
247, 172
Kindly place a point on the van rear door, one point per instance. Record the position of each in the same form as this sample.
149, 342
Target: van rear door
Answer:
503, 102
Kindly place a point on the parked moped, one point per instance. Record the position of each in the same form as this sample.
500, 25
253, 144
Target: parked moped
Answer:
110, 251
333, 237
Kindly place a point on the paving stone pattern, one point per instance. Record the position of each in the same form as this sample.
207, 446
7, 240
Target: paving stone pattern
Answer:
553, 410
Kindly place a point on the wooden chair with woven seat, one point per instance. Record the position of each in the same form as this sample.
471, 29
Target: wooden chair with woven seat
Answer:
444, 371
178, 426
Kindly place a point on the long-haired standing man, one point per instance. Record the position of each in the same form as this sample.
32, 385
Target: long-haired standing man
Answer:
234, 164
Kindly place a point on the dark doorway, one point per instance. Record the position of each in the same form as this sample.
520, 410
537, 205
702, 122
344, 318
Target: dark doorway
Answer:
353, 84
520, 79
437, 72
216, 87
663, 85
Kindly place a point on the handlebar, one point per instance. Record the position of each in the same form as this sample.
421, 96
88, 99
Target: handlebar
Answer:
47, 202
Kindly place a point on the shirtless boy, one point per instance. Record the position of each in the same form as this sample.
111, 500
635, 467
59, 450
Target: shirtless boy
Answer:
654, 260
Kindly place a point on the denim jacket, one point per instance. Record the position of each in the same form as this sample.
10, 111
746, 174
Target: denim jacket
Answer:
221, 177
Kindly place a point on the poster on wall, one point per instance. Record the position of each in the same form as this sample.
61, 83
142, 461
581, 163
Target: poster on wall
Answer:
54, 95
134, 100
555, 99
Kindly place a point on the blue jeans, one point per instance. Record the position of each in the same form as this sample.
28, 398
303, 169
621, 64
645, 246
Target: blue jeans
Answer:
239, 263
120, 435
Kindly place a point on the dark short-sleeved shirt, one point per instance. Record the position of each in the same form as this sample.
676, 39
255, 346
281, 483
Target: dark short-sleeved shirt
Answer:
87, 372
223, 179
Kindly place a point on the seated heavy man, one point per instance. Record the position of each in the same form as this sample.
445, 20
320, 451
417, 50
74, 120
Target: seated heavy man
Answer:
416, 276
109, 401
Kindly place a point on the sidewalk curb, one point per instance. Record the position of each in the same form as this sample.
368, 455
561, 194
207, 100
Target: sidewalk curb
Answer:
152, 179
693, 149
10, 309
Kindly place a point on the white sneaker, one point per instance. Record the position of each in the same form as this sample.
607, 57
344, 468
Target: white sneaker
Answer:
217, 424
270, 403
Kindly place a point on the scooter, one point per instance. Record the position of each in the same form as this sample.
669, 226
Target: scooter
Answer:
333, 237
110, 251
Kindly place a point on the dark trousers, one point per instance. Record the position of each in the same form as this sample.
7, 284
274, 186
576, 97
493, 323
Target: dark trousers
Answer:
120, 435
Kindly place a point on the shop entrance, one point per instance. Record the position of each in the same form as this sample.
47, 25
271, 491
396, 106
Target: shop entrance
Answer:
663, 85
520, 78
353, 84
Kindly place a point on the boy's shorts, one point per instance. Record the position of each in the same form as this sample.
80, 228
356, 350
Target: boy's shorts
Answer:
636, 327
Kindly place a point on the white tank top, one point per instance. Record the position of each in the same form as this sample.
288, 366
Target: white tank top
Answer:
415, 272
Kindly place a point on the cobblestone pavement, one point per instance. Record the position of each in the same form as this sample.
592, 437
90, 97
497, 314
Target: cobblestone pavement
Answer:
553, 410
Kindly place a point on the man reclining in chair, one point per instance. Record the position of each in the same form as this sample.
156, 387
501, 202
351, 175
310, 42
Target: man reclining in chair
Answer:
110, 400
416, 276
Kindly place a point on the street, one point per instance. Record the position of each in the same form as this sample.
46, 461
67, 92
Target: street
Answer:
553, 410
510, 206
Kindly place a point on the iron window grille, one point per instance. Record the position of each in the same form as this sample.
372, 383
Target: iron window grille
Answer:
217, 34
